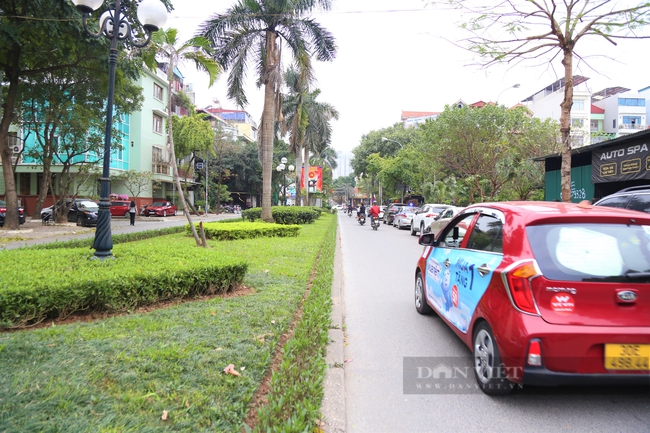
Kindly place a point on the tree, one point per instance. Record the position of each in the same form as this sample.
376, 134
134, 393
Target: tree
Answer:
65, 116
254, 30
137, 182
483, 147
518, 31
39, 37
165, 45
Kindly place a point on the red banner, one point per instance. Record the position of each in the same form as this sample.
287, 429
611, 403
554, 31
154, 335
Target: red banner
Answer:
315, 179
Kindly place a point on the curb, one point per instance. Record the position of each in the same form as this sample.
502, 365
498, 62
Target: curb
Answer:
333, 406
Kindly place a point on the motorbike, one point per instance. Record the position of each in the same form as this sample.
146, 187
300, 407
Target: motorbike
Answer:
374, 223
362, 219
350, 212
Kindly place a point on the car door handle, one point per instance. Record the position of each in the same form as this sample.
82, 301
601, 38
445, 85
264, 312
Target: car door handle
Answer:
484, 269
446, 263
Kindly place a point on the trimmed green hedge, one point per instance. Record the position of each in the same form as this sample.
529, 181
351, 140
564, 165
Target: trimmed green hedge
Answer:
286, 214
117, 239
69, 280
229, 232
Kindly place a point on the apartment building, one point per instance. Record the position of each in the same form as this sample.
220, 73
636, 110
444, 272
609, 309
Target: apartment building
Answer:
545, 104
625, 110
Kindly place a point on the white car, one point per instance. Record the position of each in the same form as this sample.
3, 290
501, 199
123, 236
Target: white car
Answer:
425, 216
441, 220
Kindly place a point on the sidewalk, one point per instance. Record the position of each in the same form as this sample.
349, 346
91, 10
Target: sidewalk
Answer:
34, 232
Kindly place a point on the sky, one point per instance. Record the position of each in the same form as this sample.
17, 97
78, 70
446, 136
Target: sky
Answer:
404, 55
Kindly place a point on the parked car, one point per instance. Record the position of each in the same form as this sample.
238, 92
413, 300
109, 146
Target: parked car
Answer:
441, 220
634, 198
543, 293
161, 208
389, 213
120, 208
48, 212
86, 213
3, 212
403, 217
423, 218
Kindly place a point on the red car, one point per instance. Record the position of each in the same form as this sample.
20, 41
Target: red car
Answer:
161, 208
543, 293
120, 208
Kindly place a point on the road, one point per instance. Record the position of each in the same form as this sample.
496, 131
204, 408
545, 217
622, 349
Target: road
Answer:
382, 328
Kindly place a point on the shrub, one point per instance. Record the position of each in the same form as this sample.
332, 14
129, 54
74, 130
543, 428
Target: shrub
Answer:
70, 280
229, 232
286, 214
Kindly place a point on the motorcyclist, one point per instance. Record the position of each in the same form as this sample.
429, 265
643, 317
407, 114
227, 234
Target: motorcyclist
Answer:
374, 211
362, 211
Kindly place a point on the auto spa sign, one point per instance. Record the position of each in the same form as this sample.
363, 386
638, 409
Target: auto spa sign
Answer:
621, 163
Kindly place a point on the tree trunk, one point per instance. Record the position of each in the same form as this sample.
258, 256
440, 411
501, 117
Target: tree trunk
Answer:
268, 123
565, 124
298, 175
42, 193
10, 196
170, 141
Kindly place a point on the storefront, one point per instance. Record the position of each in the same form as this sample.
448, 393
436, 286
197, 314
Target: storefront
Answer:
601, 169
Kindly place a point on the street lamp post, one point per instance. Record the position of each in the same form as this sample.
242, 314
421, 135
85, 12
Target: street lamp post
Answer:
394, 141
514, 86
283, 168
207, 203
113, 24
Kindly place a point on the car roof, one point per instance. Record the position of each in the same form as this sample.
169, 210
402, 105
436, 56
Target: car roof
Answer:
533, 212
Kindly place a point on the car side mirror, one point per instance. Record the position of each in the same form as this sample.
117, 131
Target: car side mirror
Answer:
427, 240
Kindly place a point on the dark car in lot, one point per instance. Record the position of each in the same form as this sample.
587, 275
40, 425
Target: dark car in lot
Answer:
82, 210
543, 293
161, 208
391, 210
3, 212
633, 198
86, 213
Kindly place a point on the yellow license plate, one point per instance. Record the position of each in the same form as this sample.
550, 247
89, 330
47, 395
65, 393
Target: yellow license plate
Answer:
627, 356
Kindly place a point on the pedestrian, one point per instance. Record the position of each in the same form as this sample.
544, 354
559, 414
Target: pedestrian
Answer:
132, 211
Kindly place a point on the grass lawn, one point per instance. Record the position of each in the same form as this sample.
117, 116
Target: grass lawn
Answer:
122, 373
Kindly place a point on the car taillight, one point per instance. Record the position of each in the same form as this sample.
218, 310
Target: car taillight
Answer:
534, 353
518, 282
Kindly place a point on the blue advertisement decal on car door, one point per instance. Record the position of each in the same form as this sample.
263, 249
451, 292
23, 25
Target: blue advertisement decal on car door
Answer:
454, 285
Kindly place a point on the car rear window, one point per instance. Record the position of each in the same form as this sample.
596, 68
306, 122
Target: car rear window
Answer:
592, 252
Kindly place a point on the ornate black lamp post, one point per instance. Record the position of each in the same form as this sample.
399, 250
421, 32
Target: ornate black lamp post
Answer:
283, 168
152, 15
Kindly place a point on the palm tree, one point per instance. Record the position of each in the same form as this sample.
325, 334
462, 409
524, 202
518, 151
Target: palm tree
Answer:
194, 50
256, 29
307, 121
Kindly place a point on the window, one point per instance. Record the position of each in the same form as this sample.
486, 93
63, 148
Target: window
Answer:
157, 123
578, 104
157, 92
592, 252
594, 125
158, 164
453, 236
631, 102
486, 235
613, 123
577, 123
631, 121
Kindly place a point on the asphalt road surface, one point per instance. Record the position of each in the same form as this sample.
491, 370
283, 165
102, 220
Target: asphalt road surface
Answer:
382, 328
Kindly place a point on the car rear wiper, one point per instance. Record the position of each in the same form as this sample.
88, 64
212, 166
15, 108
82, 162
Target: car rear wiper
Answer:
636, 275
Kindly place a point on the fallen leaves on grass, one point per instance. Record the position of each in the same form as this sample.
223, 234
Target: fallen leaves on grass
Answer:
230, 369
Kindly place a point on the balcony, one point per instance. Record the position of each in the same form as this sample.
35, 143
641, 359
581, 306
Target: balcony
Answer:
634, 126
